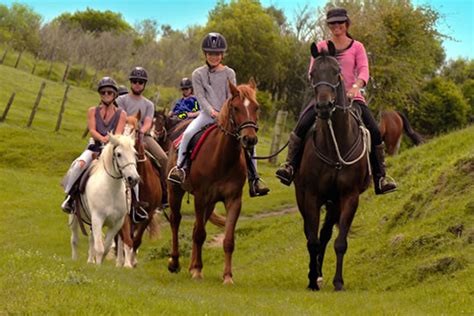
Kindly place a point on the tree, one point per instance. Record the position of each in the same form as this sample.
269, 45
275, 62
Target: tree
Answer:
441, 107
253, 37
94, 21
20, 26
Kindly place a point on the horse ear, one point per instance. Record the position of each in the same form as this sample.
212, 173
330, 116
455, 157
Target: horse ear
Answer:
331, 48
233, 88
314, 50
252, 83
113, 139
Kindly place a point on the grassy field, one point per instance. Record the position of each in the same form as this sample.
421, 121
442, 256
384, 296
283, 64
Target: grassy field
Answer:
410, 252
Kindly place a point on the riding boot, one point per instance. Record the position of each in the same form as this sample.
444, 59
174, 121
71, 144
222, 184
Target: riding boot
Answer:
381, 184
286, 172
256, 186
68, 204
178, 173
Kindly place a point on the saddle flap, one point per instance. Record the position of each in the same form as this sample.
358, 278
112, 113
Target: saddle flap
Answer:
196, 140
85, 177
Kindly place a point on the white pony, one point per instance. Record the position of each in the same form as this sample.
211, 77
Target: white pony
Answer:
104, 201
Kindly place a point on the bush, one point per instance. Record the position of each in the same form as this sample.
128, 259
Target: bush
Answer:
442, 107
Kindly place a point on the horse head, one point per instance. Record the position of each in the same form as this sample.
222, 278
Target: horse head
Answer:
326, 80
123, 158
240, 113
132, 124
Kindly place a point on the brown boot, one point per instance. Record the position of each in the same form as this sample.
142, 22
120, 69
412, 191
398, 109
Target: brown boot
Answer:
258, 188
286, 172
381, 184
177, 175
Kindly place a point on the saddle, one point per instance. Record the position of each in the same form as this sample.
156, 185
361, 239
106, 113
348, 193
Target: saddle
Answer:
196, 141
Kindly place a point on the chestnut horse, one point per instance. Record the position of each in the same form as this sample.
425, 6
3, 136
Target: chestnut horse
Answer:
150, 192
217, 174
392, 124
334, 168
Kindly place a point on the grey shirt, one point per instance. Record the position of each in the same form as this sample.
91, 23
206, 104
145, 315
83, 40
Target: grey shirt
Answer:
131, 106
211, 88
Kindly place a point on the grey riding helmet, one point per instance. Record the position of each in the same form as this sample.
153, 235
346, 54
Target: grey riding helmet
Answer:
138, 73
214, 43
107, 82
122, 90
186, 83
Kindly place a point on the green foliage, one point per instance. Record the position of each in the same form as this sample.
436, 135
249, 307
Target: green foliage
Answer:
441, 107
20, 26
94, 21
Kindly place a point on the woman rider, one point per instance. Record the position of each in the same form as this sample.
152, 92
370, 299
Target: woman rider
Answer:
355, 71
102, 119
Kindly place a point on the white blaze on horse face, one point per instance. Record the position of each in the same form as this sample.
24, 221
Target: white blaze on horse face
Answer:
247, 104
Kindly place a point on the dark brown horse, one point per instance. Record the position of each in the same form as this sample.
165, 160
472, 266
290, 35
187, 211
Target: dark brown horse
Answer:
392, 124
150, 192
334, 168
165, 129
217, 174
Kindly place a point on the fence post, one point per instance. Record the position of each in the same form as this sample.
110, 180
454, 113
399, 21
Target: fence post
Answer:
61, 110
34, 65
9, 104
4, 55
18, 59
66, 72
93, 80
35, 106
277, 132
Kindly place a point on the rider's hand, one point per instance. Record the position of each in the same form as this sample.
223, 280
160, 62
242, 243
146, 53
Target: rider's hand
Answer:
214, 113
352, 92
105, 139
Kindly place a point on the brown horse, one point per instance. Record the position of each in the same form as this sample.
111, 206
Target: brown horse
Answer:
150, 192
165, 129
334, 168
217, 174
392, 124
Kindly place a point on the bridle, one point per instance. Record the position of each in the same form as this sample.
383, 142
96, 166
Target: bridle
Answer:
119, 169
237, 128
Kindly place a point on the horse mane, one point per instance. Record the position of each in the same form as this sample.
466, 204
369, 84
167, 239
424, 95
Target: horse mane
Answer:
107, 152
245, 92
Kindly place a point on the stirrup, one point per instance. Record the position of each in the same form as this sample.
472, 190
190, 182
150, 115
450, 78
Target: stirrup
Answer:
378, 190
255, 191
172, 177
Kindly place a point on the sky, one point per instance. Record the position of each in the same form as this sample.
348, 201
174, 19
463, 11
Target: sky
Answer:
457, 22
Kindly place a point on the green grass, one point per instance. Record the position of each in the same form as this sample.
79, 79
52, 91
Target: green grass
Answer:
410, 252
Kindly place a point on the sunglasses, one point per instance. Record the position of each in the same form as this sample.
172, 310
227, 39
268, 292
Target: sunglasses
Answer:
336, 22
107, 92
137, 81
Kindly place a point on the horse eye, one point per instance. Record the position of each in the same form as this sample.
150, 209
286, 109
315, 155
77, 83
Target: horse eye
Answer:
119, 155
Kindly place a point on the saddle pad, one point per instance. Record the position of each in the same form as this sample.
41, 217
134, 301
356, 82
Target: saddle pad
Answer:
196, 140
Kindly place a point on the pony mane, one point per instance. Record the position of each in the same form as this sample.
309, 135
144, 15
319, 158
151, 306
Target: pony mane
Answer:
107, 152
246, 92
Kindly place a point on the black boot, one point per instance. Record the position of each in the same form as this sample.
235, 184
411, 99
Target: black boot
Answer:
164, 190
381, 184
286, 172
256, 186
68, 204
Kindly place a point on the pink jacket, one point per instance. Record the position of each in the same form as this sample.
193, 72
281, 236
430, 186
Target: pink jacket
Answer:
354, 65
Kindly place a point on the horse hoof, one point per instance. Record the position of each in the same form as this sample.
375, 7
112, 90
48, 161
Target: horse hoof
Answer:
339, 288
320, 282
173, 266
313, 287
196, 274
228, 280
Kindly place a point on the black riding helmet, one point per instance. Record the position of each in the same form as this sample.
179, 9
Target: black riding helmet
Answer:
122, 90
186, 83
138, 73
107, 82
214, 43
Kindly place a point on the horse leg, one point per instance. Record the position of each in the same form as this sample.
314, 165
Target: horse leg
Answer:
119, 261
74, 226
137, 239
126, 233
348, 207
233, 207
332, 214
110, 235
311, 227
175, 197
202, 213
97, 224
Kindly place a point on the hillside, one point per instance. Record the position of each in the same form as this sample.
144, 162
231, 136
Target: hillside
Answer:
410, 252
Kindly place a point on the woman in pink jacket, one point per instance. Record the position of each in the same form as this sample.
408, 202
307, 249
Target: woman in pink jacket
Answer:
355, 71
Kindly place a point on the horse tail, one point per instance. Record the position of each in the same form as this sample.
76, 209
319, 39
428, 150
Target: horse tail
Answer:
414, 136
154, 228
217, 219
